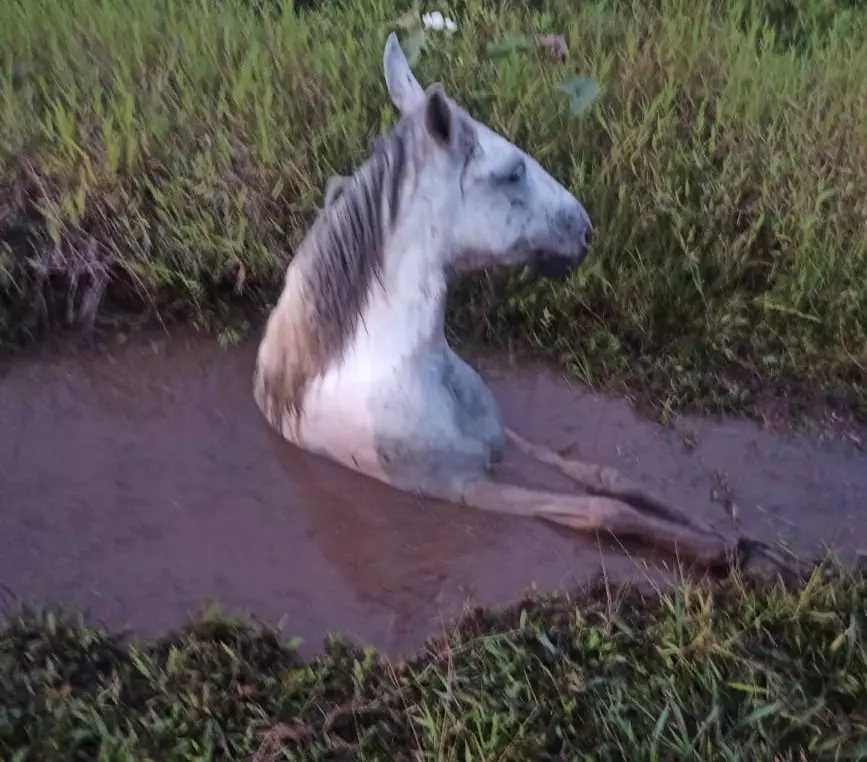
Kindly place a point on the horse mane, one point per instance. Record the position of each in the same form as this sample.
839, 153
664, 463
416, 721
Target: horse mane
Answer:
328, 283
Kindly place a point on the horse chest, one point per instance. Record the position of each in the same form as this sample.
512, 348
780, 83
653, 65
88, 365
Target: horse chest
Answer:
476, 411
437, 408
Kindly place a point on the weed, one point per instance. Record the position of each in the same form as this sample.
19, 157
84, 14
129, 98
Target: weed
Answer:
168, 156
701, 673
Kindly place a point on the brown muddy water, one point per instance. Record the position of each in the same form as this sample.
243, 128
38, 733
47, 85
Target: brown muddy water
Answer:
139, 483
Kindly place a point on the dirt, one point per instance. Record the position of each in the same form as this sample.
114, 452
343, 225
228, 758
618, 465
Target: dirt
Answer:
139, 482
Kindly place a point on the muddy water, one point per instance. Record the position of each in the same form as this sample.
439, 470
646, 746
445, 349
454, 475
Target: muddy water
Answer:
139, 483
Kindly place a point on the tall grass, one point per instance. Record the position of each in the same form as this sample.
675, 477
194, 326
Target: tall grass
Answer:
167, 155
698, 674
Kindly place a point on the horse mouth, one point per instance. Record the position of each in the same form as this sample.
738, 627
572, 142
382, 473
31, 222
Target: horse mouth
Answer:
547, 264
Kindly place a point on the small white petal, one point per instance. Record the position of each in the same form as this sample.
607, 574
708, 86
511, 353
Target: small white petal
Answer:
436, 20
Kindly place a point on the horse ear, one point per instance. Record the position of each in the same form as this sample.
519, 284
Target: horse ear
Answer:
403, 88
438, 117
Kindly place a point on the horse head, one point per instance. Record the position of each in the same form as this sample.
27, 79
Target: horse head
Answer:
501, 206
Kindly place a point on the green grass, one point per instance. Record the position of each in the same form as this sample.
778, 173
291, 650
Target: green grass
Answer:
701, 673
164, 157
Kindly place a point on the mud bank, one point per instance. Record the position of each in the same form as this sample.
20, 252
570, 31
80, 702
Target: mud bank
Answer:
139, 482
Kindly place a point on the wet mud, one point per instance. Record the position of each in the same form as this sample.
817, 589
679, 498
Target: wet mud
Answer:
139, 483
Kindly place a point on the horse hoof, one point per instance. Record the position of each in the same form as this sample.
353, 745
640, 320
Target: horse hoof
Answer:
761, 563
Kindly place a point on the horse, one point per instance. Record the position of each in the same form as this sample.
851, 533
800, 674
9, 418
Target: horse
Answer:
354, 364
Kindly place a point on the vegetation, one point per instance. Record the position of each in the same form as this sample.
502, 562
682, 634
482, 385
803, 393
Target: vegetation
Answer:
729, 673
164, 157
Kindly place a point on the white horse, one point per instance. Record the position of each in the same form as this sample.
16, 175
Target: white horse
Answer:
354, 363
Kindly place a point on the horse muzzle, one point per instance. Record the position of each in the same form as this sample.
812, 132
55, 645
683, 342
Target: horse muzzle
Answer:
549, 265
560, 261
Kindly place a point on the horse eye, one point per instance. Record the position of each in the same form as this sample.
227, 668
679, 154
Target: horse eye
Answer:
516, 174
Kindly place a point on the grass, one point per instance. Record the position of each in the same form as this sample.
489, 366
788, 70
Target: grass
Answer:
163, 158
724, 673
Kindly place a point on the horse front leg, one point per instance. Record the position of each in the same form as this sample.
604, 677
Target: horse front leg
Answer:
608, 482
605, 480
596, 514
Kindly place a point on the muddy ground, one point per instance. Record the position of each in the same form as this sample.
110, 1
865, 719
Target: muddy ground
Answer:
138, 482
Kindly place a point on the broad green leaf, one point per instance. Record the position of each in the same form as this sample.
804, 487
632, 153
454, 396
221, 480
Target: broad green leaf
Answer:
582, 93
509, 45
413, 46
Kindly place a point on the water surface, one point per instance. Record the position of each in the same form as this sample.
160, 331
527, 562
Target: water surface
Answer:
139, 482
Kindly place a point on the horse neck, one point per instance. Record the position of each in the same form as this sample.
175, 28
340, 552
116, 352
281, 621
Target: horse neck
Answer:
406, 313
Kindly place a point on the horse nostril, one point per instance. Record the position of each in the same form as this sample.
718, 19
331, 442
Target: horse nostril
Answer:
586, 239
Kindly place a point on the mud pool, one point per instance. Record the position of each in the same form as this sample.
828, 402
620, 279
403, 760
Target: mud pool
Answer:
138, 483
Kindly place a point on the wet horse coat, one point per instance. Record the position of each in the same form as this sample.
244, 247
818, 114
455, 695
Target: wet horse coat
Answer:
354, 363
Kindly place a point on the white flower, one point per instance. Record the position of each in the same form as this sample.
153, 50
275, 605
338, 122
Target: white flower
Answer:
436, 20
